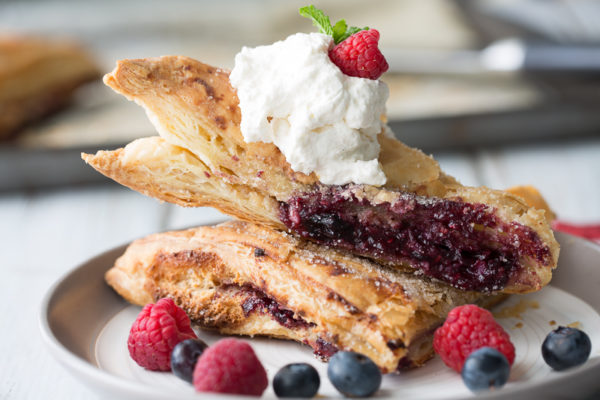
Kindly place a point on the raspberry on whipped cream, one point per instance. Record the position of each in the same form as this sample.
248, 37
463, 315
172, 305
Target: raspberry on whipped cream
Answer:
292, 95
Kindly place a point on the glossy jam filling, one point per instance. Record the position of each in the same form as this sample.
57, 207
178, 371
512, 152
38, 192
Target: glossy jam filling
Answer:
258, 301
463, 244
324, 349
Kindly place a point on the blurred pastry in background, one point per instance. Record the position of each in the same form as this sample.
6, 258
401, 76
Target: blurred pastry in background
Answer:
533, 198
37, 78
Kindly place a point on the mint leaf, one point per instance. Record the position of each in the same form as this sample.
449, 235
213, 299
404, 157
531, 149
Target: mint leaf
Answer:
320, 20
349, 32
339, 30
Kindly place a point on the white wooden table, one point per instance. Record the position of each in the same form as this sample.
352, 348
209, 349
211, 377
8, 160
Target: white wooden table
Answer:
44, 235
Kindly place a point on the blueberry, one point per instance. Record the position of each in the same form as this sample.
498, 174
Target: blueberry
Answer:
184, 357
484, 369
296, 380
566, 347
353, 374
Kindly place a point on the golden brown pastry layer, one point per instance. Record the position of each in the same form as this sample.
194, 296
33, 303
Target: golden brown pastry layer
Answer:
202, 160
244, 279
37, 77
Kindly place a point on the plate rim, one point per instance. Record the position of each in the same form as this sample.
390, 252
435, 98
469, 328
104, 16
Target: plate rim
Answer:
98, 377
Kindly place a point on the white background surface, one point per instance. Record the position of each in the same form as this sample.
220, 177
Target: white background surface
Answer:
45, 234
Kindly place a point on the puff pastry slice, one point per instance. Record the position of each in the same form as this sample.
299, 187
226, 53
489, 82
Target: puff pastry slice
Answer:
243, 279
422, 219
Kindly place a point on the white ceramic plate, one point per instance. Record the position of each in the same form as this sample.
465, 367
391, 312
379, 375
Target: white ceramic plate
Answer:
85, 325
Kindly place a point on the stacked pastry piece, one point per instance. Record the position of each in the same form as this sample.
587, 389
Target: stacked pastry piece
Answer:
371, 269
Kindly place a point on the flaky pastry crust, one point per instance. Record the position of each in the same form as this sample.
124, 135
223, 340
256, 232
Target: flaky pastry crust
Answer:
244, 279
205, 161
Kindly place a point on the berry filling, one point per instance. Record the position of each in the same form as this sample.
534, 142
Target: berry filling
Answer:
464, 244
323, 349
259, 301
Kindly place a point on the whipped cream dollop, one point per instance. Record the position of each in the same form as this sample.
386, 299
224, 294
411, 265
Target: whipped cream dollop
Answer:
322, 120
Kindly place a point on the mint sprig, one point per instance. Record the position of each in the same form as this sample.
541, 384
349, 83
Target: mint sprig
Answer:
320, 20
340, 31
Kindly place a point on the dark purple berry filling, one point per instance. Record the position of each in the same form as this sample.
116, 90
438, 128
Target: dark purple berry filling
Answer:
463, 244
323, 349
259, 301
405, 363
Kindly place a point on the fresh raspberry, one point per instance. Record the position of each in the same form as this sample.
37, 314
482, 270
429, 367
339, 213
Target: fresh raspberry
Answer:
230, 366
359, 55
156, 330
467, 329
